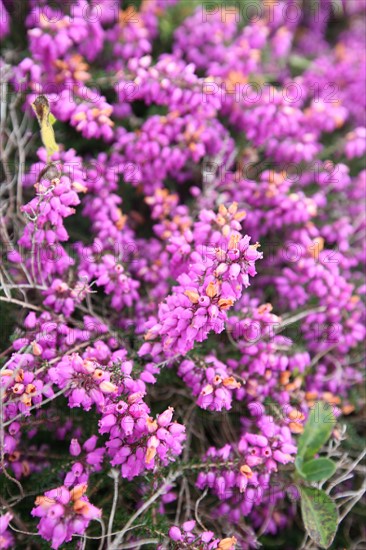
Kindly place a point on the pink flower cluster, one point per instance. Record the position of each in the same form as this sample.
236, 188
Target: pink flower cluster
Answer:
137, 441
212, 284
259, 456
211, 382
64, 513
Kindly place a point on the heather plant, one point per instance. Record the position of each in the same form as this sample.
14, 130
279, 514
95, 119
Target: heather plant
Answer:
182, 228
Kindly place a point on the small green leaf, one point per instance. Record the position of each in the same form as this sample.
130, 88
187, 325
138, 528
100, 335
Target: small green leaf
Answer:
317, 430
320, 516
318, 469
52, 119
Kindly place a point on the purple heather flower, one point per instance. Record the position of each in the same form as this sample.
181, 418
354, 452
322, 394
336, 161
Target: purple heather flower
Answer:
64, 512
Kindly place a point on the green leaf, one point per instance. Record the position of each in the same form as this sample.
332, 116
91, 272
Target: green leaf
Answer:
52, 119
320, 516
299, 461
317, 430
318, 469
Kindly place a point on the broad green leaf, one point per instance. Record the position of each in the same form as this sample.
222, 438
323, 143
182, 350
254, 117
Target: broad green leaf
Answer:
318, 469
320, 516
317, 430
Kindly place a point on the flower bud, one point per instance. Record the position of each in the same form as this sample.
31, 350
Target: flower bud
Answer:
75, 448
127, 424
221, 269
251, 254
107, 422
107, 387
175, 533
283, 458
256, 440
165, 418
189, 525
14, 428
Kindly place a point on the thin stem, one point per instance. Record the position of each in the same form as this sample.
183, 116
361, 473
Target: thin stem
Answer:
198, 501
102, 535
137, 544
353, 502
20, 303
117, 541
115, 475
348, 473
291, 320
